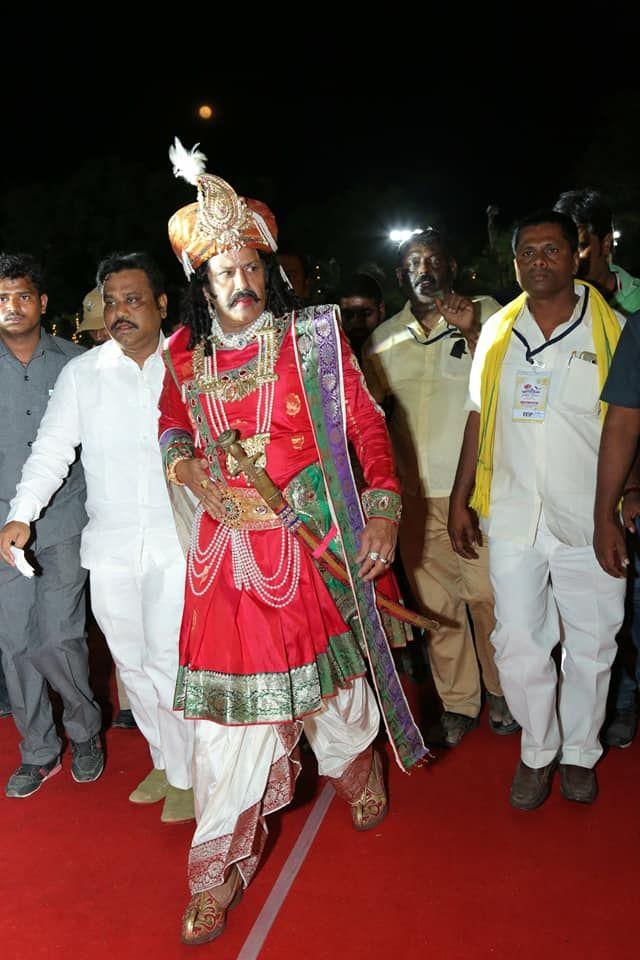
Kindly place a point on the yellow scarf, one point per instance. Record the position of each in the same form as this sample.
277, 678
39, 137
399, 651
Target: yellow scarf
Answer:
606, 332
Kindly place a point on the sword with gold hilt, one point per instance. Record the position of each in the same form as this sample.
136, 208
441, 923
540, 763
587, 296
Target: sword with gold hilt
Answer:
229, 441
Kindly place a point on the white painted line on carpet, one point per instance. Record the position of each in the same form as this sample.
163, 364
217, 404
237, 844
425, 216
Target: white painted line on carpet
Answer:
265, 919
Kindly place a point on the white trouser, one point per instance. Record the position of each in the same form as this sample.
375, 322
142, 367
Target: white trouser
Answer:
138, 607
532, 584
231, 765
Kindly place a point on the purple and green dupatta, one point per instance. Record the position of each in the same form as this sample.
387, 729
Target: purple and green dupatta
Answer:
318, 354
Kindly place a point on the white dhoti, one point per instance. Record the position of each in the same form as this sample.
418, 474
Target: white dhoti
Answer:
244, 773
138, 607
563, 717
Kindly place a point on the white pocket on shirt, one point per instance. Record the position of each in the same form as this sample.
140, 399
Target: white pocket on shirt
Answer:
581, 388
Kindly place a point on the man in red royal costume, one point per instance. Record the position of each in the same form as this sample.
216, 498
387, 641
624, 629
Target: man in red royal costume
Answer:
272, 644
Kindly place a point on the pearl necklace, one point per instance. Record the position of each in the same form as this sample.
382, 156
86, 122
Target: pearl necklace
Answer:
203, 565
265, 378
240, 340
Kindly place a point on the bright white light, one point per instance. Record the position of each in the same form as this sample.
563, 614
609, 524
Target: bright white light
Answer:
616, 234
400, 236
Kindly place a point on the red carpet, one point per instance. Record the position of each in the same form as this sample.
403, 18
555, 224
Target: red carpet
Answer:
453, 872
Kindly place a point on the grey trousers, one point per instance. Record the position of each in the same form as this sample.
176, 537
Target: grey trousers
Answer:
4, 696
42, 638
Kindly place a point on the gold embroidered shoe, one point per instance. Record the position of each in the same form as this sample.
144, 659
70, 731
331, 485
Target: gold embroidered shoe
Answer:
371, 808
206, 915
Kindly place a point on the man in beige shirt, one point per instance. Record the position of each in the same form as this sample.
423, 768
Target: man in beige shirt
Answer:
421, 359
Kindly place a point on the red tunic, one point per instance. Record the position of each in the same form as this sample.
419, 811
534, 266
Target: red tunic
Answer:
233, 632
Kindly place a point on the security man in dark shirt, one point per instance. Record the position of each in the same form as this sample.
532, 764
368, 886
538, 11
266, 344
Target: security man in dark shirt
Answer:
42, 620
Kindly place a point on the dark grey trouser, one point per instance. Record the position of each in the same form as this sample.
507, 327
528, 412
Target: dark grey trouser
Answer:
4, 696
42, 638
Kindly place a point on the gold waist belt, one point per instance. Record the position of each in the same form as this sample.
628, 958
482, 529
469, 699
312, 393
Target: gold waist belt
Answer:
244, 509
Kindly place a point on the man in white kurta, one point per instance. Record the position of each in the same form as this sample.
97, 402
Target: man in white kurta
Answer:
106, 403
539, 522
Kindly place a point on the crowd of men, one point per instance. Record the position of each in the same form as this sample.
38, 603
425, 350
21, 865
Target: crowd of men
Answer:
515, 535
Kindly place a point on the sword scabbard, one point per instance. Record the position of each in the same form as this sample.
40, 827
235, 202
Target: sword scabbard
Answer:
229, 441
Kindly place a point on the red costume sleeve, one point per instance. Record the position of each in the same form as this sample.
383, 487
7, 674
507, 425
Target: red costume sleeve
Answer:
173, 412
174, 426
367, 432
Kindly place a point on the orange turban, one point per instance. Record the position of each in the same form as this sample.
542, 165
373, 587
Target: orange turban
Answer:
220, 220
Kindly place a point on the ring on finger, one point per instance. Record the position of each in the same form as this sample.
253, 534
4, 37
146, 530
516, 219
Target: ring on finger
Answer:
382, 560
373, 555
204, 483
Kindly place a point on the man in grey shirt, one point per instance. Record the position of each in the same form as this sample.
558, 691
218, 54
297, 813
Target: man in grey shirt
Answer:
42, 620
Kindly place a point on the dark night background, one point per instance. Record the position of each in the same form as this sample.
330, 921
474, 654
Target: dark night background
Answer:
86, 170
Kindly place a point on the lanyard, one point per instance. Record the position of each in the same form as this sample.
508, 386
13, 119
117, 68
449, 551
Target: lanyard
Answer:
530, 354
449, 332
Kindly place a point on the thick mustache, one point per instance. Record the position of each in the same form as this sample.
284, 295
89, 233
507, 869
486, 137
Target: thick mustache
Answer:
425, 278
122, 321
240, 295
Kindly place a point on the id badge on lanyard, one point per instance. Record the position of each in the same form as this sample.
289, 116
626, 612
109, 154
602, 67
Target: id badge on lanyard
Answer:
531, 394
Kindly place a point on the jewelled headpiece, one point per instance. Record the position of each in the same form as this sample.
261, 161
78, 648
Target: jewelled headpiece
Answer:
220, 220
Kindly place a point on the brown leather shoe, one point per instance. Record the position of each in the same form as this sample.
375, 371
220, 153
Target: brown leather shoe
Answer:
578, 783
531, 787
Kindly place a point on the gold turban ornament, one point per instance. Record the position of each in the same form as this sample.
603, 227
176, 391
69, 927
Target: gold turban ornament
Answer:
220, 220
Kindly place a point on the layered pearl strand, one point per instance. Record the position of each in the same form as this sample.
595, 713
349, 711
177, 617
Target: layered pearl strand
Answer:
262, 330
276, 591
279, 589
203, 565
272, 590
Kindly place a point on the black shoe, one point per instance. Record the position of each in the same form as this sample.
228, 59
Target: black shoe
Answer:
125, 720
531, 786
578, 783
87, 760
455, 726
29, 777
621, 729
501, 719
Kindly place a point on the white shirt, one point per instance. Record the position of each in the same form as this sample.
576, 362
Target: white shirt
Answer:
103, 401
546, 464
428, 377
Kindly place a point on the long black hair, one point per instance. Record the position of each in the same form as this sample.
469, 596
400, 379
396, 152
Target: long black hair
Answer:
194, 310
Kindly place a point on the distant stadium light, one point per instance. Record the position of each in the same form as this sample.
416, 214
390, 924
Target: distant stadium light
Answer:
400, 236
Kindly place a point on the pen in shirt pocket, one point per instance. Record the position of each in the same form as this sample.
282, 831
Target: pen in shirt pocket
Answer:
583, 355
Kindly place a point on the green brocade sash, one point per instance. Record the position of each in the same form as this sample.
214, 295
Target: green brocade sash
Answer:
318, 354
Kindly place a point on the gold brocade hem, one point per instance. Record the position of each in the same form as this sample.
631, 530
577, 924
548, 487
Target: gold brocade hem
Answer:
210, 862
269, 697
